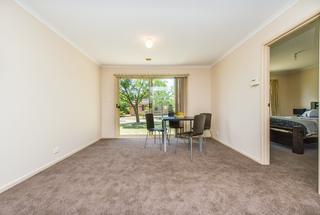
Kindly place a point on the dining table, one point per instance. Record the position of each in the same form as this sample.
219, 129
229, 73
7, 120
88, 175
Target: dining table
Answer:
173, 119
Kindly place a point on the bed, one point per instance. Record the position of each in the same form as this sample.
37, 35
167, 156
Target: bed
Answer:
295, 130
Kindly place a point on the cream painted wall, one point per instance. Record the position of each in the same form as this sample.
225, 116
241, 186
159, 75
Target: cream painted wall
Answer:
235, 103
296, 89
199, 90
49, 96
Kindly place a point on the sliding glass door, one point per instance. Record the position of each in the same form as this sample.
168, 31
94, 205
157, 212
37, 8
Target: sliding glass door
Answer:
162, 96
138, 96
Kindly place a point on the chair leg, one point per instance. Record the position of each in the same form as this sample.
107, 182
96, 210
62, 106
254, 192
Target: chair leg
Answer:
200, 143
154, 137
145, 142
190, 141
204, 143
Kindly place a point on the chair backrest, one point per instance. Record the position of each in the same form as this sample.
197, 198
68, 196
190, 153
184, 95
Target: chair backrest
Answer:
198, 124
150, 121
170, 113
207, 124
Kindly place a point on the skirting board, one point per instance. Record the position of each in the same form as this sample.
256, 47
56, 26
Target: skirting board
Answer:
46, 166
234, 149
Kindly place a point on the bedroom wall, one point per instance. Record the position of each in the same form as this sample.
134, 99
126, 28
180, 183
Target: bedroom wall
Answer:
198, 95
49, 97
308, 88
236, 104
296, 89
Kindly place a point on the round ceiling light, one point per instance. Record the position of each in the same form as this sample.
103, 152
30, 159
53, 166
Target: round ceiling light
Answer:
149, 43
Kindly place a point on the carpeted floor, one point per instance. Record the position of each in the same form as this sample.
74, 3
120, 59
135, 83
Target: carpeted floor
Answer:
120, 177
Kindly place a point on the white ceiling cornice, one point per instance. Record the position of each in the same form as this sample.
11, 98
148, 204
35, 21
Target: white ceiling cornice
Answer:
155, 67
262, 26
54, 30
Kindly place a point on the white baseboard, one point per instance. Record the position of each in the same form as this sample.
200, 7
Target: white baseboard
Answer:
234, 149
46, 166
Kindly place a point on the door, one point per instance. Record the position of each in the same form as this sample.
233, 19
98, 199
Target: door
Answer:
138, 96
162, 97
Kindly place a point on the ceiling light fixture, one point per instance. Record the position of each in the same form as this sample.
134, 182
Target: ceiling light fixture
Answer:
149, 43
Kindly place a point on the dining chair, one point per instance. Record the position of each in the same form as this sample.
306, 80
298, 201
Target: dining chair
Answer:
207, 124
152, 129
197, 131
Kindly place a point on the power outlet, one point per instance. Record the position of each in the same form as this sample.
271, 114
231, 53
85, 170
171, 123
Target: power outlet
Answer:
56, 150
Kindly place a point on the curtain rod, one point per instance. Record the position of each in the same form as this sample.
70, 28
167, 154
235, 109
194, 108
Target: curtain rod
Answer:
151, 75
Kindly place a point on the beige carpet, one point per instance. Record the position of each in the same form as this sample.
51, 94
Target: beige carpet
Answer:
120, 177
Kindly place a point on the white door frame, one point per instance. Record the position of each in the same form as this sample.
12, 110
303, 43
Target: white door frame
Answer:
265, 95
265, 109
117, 110
318, 110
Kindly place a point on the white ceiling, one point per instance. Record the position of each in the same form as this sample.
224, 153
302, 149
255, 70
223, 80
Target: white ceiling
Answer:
296, 51
186, 32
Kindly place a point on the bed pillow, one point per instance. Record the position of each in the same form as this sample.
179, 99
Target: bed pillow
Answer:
306, 114
311, 113
314, 113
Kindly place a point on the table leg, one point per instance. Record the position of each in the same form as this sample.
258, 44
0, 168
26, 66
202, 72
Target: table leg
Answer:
164, 134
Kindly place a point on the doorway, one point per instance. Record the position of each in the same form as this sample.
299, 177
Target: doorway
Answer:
290, 91
140, 95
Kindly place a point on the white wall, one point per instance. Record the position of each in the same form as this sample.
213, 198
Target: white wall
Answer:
235, 103
198, 99
49, 96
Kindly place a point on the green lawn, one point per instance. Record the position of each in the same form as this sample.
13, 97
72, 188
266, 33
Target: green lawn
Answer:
128, 125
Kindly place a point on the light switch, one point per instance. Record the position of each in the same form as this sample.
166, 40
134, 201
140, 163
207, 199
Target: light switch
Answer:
254, 82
